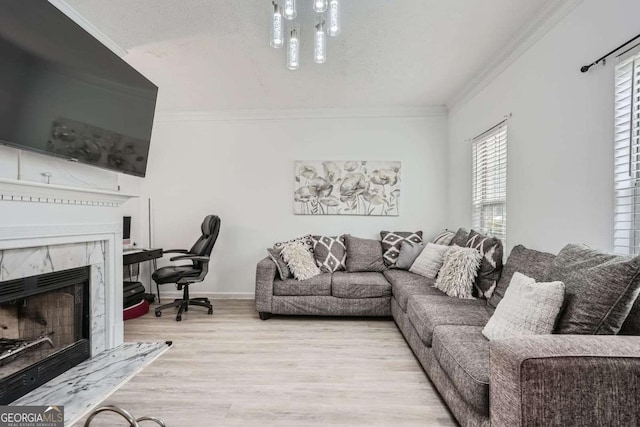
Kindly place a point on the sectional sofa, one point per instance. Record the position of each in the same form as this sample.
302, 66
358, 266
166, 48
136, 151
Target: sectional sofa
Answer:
550, 380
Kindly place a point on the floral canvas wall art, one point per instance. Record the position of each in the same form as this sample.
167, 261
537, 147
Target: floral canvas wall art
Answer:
347, 188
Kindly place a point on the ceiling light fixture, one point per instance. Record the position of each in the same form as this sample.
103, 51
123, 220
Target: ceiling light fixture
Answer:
277, 28
320, 6
293, 50
328, 24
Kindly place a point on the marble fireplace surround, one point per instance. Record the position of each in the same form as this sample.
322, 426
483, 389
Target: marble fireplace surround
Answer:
33, 250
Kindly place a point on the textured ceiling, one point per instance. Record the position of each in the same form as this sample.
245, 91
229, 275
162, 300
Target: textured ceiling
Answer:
215, 54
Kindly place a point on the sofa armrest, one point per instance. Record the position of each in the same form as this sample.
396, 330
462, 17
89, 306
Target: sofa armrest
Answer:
265, 274
559, 380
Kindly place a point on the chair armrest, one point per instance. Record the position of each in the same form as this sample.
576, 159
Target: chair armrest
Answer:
190, 258
565, 380
265, 274
175, 251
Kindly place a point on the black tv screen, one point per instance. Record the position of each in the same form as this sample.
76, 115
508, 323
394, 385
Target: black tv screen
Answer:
63, 93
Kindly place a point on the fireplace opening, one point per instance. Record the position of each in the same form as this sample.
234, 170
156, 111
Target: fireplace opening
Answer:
44, 329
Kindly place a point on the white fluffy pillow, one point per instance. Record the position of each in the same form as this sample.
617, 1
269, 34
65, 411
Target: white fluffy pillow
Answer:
300, 261
527, 308
458, 273
430, 260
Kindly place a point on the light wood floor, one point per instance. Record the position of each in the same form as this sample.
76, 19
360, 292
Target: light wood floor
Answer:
232, 369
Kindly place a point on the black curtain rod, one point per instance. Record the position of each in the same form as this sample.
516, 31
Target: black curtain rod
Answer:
586, 68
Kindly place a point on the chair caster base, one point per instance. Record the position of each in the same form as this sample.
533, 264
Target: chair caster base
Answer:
178, 318
158, 314
264, 315
210, 311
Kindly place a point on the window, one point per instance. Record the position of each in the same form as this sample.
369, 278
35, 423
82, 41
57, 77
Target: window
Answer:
490, 182
627, 157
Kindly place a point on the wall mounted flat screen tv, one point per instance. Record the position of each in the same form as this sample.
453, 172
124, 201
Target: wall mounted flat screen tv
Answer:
64, 94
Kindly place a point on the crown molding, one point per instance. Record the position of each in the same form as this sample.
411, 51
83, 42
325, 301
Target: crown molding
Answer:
320, 113
75, 16
552, 13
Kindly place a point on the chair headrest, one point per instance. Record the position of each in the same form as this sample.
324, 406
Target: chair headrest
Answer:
210, 224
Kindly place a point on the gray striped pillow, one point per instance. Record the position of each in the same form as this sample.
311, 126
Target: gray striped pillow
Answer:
430, 260
444, 238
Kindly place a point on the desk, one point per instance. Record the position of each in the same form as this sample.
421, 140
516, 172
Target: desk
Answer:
136, 256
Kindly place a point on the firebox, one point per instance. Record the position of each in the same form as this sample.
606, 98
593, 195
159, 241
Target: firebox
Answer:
44, 329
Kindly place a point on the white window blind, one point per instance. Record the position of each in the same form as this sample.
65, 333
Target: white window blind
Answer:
490, 182
627, 157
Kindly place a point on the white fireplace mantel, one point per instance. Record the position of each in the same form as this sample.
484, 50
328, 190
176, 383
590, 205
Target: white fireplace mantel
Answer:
28, 191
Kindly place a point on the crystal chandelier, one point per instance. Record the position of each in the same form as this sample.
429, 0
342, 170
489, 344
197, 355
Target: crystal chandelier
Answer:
283, 25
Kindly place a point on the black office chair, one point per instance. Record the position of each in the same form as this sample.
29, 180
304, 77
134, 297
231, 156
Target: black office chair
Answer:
185, 275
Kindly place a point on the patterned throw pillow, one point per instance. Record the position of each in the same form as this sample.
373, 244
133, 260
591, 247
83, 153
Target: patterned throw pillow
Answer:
491, 266
444, 238
307, 241
392, 241
458, 272
330, 253
528, 308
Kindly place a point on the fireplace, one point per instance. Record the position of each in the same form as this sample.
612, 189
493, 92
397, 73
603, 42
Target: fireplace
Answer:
44, 329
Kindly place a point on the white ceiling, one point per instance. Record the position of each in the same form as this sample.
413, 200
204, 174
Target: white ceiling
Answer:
215, 54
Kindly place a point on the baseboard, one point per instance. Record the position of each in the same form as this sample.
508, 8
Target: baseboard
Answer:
210, 295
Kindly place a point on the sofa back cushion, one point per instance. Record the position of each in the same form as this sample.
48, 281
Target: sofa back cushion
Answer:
460, 238
529, 262
600, 289
631, 326
363, 255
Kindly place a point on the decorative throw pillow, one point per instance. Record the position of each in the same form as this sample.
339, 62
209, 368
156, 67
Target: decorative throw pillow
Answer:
491, 265
444, 238
300, 261
283, 269
430, 260
330, 253
600, 289
460, 238
306, 241
409, 251
391, 242
458, 272
363, 255
528, 308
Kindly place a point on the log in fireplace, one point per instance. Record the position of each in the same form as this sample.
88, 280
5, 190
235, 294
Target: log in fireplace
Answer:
44, 329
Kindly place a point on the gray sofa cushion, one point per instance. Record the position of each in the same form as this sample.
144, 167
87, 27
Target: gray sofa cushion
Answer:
426, 312
359, 285
404, 284
283, 268
463, 353
319, 285
600, 289
460, 238
631, 326
363, 255
529, 262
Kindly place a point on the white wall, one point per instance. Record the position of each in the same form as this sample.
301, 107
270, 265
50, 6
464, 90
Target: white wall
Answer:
243, 171
560, 146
